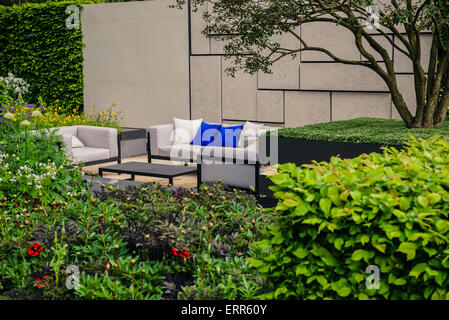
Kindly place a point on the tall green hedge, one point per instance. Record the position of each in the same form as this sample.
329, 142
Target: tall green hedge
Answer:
36, 45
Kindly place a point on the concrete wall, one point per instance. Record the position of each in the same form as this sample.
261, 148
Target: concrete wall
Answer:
309, 89
142, 56
137, 55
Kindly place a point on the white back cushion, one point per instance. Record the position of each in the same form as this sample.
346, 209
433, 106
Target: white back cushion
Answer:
185, 130
250, 130
76, 143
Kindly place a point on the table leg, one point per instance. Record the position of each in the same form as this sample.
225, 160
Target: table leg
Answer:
170, 181
100, 172
133, 177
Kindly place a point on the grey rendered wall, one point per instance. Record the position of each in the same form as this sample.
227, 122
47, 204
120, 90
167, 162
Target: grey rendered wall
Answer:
155, 63
137, 55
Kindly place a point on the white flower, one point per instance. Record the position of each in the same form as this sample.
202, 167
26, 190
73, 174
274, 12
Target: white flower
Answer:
36, 114
25, 123
8, 116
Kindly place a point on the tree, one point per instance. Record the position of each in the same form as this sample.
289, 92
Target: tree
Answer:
250, 27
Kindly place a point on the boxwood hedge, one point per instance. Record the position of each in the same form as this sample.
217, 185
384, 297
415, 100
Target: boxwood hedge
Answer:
36, 45
335, 219
362, 130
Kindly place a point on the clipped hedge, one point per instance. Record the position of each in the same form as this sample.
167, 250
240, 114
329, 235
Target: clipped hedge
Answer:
335, 219
362, 130
36, 45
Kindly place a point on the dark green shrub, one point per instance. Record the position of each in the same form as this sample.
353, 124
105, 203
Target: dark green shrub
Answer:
36, 45
335, 219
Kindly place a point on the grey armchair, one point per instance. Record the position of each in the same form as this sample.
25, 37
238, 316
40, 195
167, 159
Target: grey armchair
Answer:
100, 144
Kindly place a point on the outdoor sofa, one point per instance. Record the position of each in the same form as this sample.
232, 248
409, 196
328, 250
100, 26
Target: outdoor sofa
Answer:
235, 166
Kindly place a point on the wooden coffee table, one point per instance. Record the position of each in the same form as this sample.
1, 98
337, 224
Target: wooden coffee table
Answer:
150, 170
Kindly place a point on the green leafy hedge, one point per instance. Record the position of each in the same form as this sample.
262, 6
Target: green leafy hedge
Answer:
335, 219
362, 130
36, 45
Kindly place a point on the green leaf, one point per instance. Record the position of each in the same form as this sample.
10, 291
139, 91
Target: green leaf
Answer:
254, 262
338, 243
360, 254
279, 291
344, 292
300, 252
423, 201
400, 281
325, 205
418, 269
312, 221
302, 269
280, 178
409, 248
381, 247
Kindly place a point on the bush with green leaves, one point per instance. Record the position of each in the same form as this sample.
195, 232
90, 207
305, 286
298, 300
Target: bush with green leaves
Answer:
335, 219
36, 45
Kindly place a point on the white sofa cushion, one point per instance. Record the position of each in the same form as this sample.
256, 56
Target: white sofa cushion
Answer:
88, 154
185, 130
76, 143
250, 131
181, 151
239, 154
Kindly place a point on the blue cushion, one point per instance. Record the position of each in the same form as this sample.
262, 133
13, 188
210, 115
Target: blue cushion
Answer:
227, 137
205, 134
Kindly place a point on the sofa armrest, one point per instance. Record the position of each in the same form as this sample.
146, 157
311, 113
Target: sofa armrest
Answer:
67, 141
161, 135
99, 137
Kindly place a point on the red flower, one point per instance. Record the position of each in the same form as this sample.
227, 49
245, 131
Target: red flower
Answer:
43, 281
181, 253
35, 249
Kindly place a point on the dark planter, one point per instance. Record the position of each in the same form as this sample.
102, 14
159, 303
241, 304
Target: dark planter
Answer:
133, 142
300, 151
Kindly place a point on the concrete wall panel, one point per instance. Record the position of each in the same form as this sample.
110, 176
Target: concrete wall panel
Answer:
407, 89
239, 95
270, 106
403, 64
285, 72
350, 105
199, 42
128, 62
383, 42
337, 76
337, 39
302, 108
206, 88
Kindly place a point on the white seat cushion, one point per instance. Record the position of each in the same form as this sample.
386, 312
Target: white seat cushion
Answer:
88, 154
229, 153
181, 151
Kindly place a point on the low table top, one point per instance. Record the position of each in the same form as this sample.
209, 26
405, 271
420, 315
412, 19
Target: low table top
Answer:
149, 169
